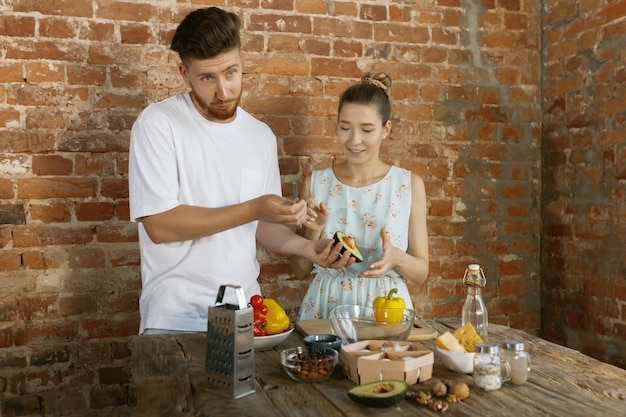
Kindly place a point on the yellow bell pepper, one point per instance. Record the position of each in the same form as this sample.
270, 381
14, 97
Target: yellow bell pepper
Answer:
277, 319
390, 308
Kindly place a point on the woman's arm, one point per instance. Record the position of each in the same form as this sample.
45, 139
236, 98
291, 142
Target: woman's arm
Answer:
412, 264
313, 225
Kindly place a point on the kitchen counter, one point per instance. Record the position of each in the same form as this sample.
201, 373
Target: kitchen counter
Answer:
168, 373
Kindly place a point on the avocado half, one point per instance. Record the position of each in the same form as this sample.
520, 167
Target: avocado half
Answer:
379, 393
349, 244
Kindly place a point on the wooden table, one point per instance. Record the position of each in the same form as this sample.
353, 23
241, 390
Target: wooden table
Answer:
168, 373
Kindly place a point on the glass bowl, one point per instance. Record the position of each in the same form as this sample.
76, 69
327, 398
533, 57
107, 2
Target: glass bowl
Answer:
354, 323
303, 364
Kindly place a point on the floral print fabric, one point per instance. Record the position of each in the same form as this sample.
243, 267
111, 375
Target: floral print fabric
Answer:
360, 212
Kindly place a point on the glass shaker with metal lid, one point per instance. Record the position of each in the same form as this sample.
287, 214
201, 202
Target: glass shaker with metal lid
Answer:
514, 352
489, 370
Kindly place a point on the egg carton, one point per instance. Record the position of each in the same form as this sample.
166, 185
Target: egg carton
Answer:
376, 360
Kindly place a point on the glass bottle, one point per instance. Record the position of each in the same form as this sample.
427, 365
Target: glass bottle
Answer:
474, 310
513, 352
489, 370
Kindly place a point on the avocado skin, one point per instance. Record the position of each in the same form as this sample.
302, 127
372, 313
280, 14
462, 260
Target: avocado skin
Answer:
366, 395
355, 253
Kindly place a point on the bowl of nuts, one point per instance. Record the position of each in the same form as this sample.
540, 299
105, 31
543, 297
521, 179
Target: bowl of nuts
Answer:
303, 364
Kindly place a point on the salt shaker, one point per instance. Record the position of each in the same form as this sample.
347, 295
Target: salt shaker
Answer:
514, 353
488, 367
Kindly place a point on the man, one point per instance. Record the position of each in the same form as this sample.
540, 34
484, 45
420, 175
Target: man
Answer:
205, 186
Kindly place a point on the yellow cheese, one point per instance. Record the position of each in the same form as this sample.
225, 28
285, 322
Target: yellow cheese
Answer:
447, 341
467, 336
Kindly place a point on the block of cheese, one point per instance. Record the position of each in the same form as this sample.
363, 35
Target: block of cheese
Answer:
447, 341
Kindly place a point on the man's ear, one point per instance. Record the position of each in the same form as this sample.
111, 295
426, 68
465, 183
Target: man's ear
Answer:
184, 73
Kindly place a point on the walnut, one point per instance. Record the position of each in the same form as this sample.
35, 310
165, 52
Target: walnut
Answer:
422, 397
440, 406
451, 398
460, 390
439, 389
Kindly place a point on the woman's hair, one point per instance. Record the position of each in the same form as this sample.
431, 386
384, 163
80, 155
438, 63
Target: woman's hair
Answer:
206, 33
373, 89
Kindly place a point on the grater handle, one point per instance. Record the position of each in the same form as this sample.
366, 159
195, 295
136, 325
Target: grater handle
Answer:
241, 299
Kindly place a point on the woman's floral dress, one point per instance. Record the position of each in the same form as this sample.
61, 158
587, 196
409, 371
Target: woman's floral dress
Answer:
359, 212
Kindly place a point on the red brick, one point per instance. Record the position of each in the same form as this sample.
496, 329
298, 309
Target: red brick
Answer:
373, 12
86, 75
114, 187
57, 28
137, 33
86, 258
10, 261
49, 332
126, 232
114, 375
95, 211
56, 187
25, 236
17, 26
97, 31
53, 50
51, 213
119, 10
311, 7
52, 165
280, 23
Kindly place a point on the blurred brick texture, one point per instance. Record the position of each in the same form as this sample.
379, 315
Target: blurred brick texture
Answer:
513, 111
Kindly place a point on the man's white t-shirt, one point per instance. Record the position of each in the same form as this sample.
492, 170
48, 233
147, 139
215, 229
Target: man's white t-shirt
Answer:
177, 157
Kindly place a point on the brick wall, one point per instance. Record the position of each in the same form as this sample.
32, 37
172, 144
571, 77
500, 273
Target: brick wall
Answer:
74, 74
583, 263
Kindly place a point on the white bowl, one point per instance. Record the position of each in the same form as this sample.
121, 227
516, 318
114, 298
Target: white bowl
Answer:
270, 341
354, 323
462, 362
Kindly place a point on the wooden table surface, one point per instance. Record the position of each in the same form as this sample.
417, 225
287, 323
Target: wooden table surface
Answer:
168, 373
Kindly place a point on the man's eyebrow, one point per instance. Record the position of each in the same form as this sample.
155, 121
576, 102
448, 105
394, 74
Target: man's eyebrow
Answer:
212, 73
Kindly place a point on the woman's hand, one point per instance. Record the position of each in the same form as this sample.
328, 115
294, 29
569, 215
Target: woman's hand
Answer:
389, 259
316, 217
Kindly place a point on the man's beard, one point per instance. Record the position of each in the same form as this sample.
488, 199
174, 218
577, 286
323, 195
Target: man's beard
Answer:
213, 114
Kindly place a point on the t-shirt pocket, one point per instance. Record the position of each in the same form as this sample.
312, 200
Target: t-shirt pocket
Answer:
252, 184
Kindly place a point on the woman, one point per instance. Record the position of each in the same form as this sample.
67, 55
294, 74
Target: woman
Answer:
382, 207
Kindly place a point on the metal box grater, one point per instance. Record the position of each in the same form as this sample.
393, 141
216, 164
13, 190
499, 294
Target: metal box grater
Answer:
230, 346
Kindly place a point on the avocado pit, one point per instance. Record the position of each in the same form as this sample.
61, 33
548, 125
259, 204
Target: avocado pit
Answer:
348, 244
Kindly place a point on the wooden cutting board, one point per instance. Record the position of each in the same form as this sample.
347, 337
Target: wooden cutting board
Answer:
420, 331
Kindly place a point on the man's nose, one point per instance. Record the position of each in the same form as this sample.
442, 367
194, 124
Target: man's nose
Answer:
221, 90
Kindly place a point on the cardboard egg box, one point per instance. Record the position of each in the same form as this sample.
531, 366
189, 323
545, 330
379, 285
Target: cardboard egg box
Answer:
377, 360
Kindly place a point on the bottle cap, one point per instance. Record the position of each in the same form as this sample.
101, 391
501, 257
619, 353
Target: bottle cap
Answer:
473, 267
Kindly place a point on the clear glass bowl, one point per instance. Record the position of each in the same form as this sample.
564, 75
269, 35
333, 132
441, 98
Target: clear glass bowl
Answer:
354, 323
303, 364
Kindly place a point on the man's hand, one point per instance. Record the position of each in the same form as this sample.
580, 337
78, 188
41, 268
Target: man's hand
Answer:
328, 254
272, 208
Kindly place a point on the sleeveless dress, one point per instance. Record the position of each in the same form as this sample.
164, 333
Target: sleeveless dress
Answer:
359, 212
